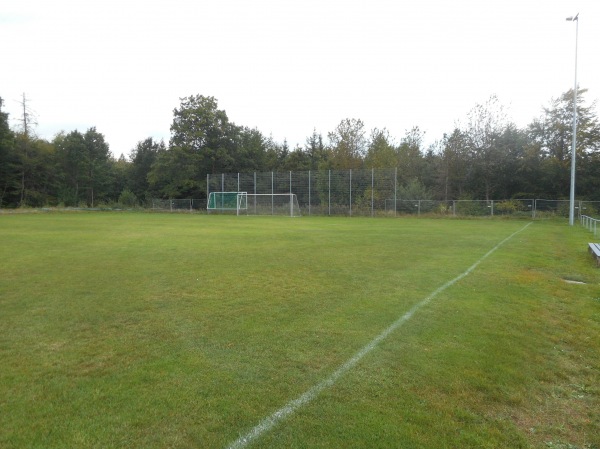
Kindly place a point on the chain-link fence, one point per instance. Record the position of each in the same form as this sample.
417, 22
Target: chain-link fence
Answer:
372, 192
186, 205
560, 208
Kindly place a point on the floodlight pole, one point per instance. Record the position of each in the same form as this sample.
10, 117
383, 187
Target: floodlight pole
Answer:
574, 145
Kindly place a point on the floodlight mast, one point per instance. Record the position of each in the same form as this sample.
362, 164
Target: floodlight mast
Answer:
574, 144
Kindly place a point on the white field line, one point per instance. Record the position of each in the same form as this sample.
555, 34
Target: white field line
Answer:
271, 421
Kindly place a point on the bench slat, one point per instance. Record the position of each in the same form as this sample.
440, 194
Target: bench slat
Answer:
595, 251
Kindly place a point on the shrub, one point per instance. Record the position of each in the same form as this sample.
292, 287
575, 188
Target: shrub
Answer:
128, 199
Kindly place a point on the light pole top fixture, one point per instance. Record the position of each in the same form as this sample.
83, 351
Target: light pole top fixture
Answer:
573, 18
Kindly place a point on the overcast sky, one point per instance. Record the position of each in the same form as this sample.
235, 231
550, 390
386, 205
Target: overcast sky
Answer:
288, 67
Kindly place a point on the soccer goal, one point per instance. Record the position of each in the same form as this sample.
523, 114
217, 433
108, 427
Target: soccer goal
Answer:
255, 203
227, 201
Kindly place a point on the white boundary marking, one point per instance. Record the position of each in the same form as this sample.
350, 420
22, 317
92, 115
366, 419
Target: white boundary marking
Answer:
271, 421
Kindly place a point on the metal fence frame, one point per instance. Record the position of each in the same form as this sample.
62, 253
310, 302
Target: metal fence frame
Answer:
373, 192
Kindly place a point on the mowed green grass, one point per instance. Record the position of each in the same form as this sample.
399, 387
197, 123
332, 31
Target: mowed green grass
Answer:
185, 331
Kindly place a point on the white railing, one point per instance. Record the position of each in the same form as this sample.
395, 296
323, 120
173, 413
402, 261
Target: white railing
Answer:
590, 223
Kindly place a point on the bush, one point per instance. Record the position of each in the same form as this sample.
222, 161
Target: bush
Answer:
509, 207
128, 199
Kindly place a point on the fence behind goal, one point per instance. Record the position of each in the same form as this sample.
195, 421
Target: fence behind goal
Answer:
374, 192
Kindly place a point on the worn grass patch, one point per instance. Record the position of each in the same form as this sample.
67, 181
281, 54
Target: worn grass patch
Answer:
154, 331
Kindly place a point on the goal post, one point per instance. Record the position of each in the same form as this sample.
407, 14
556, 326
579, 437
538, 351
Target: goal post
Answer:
254, 203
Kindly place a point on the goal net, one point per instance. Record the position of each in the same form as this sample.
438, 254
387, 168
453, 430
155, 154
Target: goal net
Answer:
227, 201
255, 203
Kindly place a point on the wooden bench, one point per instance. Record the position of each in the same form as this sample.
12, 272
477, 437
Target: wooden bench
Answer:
595, 251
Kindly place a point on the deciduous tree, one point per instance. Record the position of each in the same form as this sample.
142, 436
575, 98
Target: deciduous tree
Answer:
348, 145
486, 122
381, 152
200, 128
410, 161
142, 157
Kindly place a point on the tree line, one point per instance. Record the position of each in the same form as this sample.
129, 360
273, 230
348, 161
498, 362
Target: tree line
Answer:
487, 157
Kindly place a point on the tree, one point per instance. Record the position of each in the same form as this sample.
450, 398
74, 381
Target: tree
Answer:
174, 174
40, 183
24, 141
315, 150
588, 181
201, 129
348, 144
511, 147
297, 160
251, 150
552, 135
410, 158
486, 123
454, 165
554, 129
8, 162
413, 190
272, 154
381, 152
142, 157
120, 175
97, 166
70, 149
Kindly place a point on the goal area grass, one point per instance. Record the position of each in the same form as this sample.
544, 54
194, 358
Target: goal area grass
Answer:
146, 330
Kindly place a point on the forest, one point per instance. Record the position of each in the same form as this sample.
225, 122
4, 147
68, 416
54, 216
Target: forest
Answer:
486, 158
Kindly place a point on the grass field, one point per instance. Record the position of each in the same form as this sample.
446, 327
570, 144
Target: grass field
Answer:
138, 330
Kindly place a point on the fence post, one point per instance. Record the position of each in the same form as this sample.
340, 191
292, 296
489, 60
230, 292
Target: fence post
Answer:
350, 192
309, 193
395, 190
372, 189
329, 195
532, 210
